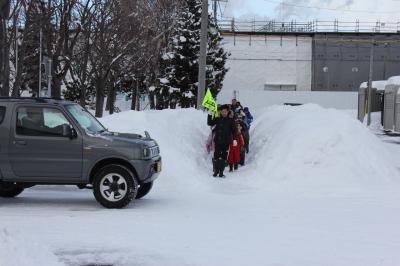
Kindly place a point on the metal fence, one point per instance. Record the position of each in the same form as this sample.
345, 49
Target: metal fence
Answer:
256, 26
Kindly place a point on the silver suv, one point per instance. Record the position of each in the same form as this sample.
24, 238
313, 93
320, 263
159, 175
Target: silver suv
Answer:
47, 141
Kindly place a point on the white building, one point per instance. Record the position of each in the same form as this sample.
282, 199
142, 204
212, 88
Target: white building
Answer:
268, 62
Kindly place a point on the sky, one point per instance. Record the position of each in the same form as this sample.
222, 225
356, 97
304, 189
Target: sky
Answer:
308, 10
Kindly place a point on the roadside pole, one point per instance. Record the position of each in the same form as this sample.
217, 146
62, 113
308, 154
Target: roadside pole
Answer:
49, 77
40, 61
203, 55
371, 69
215, 10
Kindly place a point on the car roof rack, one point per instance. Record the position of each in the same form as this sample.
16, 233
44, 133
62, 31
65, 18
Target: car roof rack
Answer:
39, 100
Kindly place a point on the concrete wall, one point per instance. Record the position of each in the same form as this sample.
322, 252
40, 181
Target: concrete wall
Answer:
257, 99
319, 61
268, 59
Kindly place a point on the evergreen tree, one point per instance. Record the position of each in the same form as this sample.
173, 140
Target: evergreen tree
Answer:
179, 64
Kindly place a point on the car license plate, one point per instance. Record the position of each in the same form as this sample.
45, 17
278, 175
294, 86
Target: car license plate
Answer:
159, 166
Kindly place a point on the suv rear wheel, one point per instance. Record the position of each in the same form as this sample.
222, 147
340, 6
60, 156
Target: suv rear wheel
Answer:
115, 186
144, 190
10, 190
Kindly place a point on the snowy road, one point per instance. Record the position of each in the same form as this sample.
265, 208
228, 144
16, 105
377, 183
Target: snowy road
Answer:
327, 211
229, 226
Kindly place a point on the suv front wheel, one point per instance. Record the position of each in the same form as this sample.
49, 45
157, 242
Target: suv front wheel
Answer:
115, 186
10, 190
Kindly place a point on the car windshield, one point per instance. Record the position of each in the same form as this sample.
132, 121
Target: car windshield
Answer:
85, 119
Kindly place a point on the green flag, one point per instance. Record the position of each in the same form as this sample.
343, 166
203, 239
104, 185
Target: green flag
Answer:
209, 103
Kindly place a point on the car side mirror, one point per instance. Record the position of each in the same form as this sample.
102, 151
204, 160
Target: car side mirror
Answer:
68, 131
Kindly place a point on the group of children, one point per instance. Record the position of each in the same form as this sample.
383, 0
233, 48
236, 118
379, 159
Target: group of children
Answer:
230, 137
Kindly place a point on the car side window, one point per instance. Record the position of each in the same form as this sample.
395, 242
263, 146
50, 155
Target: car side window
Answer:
2, 113
39, 121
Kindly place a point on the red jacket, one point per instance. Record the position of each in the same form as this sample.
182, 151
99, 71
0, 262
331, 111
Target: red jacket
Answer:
234, 152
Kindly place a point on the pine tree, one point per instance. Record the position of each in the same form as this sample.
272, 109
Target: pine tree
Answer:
180, 63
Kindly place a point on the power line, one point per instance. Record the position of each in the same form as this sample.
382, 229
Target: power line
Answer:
331, 9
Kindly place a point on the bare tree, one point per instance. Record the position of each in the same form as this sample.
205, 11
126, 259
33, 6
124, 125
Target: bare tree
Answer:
96, 46
79, 81
149, 23
107, 49
8, 33
61, 33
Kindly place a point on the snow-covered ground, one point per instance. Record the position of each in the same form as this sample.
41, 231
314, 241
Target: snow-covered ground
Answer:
319, 188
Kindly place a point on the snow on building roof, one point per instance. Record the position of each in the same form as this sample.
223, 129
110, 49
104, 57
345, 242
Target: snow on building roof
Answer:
378, 84
395, 80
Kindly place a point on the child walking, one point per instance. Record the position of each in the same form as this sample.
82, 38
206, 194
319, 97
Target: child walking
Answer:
234, 151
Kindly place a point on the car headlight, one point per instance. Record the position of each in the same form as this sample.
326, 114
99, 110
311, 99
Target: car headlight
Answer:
146, 152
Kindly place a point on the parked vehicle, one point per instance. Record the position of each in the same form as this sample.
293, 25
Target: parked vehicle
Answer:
46, 141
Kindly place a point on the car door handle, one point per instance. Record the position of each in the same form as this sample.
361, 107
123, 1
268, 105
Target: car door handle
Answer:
20, 142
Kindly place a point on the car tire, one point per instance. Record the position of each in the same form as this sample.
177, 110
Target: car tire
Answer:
144, 189
115, 186
10, 190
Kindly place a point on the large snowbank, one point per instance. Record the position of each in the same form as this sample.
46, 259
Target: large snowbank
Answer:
181, 135
312, 146
18, 250
302, 146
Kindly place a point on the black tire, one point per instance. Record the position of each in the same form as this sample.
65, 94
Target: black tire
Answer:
10, 190
144, 189
127, 190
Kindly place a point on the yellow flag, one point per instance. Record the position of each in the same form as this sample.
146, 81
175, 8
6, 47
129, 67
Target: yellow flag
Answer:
209, 102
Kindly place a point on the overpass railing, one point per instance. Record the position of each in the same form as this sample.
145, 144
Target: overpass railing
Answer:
257, 26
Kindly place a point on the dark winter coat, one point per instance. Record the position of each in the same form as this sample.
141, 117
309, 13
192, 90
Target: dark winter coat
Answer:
245, 133
224, 129
234, 151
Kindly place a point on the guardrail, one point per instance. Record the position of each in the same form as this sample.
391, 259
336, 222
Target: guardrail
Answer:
256, 26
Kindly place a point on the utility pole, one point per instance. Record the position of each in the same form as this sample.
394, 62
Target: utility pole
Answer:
371, 69
40, 61
49, 77
16, 48
203, 55
215, 10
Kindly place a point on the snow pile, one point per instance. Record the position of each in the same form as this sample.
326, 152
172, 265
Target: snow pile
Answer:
180, 133
312, 146
16, 250
301, 146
